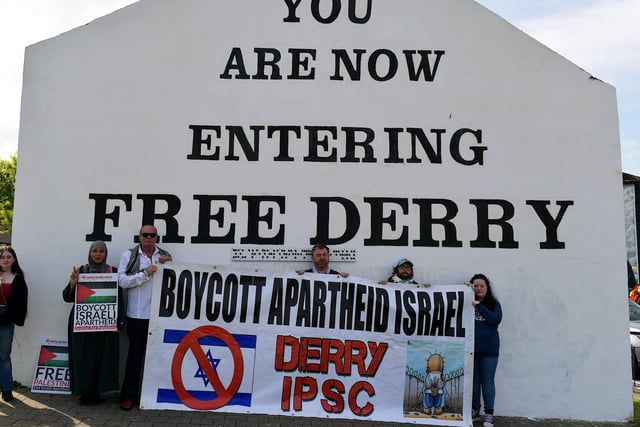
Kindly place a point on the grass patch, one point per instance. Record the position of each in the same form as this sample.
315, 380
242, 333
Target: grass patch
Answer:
636, 412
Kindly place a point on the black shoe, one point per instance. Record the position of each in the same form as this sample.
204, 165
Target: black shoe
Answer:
95, 399
90, 399
7, 396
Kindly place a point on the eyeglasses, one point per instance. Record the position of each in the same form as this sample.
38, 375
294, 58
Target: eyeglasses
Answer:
148, 235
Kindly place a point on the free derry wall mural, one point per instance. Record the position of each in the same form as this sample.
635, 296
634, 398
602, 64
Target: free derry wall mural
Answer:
249, 130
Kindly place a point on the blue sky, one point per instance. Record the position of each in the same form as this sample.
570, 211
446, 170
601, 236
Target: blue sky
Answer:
600, 36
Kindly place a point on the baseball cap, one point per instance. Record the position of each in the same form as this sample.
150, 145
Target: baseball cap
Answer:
403, 261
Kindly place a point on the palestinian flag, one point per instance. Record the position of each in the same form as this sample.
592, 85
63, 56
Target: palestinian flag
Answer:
54, 356
97, 293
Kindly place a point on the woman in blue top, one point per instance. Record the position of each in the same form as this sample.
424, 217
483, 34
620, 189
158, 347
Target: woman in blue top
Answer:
487, 347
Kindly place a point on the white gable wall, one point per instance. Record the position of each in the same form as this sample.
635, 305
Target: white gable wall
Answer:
107, 109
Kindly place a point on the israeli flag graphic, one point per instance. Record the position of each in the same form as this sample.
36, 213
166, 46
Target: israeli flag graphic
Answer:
199, 382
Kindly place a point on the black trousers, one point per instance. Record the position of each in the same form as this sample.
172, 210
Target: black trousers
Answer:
137, 331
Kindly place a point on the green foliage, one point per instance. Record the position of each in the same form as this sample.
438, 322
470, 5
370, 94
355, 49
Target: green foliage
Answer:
7, 191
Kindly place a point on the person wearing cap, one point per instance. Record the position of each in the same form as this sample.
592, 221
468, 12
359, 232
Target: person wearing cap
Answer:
320, 259
402, 274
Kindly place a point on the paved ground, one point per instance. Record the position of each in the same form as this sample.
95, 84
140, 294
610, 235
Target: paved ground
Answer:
37, 409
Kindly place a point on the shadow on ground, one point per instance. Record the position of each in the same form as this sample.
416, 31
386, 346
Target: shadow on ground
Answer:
39, 409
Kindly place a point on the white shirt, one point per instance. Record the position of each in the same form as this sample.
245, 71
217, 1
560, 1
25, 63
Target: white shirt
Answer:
138, 286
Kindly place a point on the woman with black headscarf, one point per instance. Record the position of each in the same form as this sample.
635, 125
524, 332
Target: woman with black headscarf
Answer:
93, 356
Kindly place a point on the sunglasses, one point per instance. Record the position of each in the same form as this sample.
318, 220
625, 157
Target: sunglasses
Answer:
148, 235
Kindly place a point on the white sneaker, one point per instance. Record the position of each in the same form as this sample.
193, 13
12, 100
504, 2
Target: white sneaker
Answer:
475, 415
488, 420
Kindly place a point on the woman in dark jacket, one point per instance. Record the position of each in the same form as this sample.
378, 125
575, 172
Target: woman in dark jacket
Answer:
487, 347
13, 311
93, 356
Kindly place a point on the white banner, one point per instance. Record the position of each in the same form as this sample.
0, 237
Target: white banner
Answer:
310, 345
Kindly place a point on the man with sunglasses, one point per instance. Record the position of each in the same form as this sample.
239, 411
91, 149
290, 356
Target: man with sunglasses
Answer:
135, 273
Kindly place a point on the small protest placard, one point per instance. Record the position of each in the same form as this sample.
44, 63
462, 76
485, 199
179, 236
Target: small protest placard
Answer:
96, 306
52, 369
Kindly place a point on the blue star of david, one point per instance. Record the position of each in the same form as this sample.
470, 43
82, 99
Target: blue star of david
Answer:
200, 373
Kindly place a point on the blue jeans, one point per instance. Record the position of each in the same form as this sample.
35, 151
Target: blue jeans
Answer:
6, 340
484, 373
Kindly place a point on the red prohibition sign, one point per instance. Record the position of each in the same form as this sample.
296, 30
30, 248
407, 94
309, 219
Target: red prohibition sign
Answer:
190, 342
